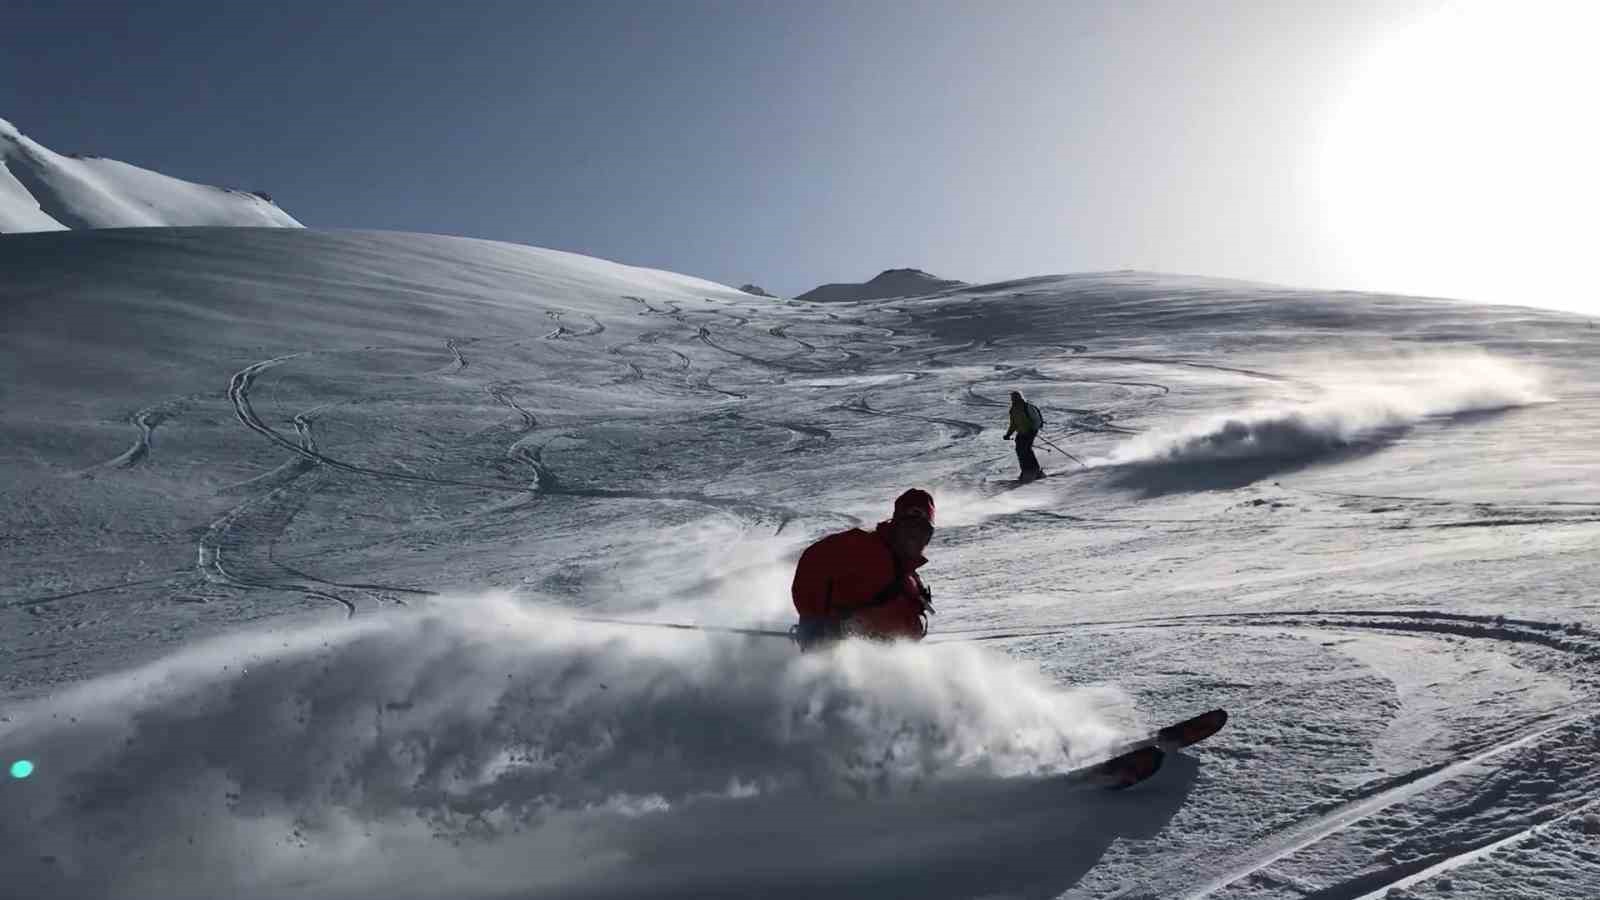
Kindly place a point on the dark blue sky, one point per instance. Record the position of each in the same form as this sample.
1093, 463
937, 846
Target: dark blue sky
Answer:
785, 143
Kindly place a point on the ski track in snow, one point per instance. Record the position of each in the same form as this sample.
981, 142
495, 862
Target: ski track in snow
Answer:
1243, 864
1194, 878
1286, 842
562, 331
239, 395
1190, 364
544, 481
458, 362
255, 524
145, 421
1414, 873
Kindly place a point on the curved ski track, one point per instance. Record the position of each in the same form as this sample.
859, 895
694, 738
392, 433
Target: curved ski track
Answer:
146, 421
545, 482
255, 525
960, 429
1282, 844
1197, 878
562, 331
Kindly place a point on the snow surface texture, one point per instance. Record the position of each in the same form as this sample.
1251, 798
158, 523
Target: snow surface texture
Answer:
41, 190
305, 536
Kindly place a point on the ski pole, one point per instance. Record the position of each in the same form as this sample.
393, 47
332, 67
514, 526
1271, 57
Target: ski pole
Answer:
1051, 445
680, 626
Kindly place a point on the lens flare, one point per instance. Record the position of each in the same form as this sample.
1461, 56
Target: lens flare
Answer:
21, 769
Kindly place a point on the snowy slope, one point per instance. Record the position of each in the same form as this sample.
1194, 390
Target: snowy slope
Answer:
300, 527
41, 190
19, 211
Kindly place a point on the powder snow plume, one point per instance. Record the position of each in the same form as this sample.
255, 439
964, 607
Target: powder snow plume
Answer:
480, 747
1357, 404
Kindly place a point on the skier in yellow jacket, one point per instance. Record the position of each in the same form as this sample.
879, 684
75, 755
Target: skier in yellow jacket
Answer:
1026, 420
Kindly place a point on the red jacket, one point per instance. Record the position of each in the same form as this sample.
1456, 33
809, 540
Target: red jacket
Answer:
840, 576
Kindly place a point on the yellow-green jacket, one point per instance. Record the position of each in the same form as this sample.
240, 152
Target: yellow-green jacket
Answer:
1025, 419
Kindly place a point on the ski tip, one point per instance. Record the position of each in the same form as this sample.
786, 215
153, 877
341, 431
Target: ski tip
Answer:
1193, 730
1129, 769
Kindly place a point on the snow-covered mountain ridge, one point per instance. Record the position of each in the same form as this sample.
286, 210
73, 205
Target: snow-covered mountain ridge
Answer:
886, 284
41, 190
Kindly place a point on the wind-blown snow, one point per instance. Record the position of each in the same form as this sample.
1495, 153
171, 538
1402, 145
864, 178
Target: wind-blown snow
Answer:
1355, 406
41, 190
306, 537
480, 719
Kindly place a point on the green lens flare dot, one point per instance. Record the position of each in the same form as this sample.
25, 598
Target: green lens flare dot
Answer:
21, 769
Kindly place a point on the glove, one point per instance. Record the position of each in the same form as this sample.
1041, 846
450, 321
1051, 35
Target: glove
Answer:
817, 631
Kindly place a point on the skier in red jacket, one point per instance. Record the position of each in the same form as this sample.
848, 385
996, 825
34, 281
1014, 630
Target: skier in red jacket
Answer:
865, 583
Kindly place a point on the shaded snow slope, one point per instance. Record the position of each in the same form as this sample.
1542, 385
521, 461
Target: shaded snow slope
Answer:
41, 190
886, 284
305, 535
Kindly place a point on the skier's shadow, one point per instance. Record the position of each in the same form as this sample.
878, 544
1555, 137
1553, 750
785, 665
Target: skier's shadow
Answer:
1016, 837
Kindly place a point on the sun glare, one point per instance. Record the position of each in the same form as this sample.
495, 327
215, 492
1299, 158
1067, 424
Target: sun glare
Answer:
1463, 159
